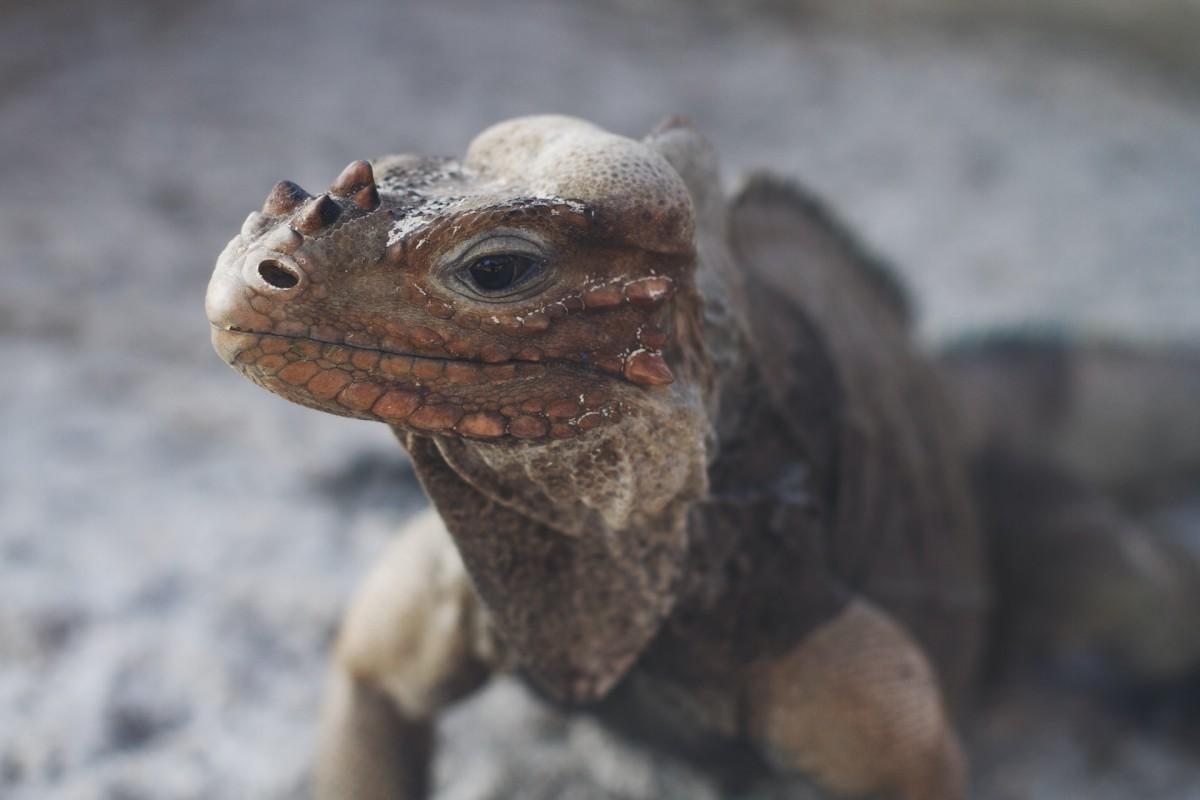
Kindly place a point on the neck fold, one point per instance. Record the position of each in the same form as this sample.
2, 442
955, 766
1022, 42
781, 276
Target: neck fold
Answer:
576, 548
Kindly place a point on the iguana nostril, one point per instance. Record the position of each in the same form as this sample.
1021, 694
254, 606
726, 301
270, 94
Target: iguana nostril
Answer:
277, 275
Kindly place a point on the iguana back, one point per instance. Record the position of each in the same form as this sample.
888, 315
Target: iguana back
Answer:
833, 344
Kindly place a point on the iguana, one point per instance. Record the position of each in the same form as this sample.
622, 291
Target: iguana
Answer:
690, 471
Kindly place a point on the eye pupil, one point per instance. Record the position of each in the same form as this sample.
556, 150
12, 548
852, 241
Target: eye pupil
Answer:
496, 273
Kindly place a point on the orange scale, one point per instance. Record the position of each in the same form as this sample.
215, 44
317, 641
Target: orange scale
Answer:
364, 359
298, 373
359, 396
396, 366
271, 363
326, 385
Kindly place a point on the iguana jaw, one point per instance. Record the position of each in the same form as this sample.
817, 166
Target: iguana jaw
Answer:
513, 400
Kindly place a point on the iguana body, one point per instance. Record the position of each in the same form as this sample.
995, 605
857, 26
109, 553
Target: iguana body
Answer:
692, 474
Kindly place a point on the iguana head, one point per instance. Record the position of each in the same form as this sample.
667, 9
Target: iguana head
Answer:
537, 290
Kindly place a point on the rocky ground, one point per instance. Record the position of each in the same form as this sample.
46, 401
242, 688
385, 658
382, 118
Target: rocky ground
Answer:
175, 545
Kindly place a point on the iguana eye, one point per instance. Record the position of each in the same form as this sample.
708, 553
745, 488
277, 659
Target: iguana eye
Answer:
493, 274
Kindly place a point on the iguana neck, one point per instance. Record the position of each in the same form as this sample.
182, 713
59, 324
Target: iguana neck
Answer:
579, 548
576, 548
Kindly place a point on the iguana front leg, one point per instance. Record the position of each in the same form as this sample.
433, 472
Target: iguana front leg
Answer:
370, 750
856, 706
412, 642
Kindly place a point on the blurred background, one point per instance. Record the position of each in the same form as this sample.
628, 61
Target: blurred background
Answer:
176, 544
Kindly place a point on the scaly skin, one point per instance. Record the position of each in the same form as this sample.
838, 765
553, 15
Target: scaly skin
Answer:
720, 507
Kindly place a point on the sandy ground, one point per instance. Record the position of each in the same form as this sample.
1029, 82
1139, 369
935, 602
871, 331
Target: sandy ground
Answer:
175, 544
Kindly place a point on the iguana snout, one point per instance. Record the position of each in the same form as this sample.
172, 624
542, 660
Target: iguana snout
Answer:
475, 298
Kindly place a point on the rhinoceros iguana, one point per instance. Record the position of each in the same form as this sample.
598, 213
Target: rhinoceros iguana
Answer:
690, 470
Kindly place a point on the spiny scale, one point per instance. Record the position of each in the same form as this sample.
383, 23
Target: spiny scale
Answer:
285, 197
357, 174
648, 369
320, 212
366, 198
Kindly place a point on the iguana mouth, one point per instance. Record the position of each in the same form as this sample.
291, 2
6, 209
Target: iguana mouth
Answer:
552, 399
405, 354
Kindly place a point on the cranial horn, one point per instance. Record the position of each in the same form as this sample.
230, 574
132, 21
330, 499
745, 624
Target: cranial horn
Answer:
366, 198
284, 198
320, 212
356, 175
